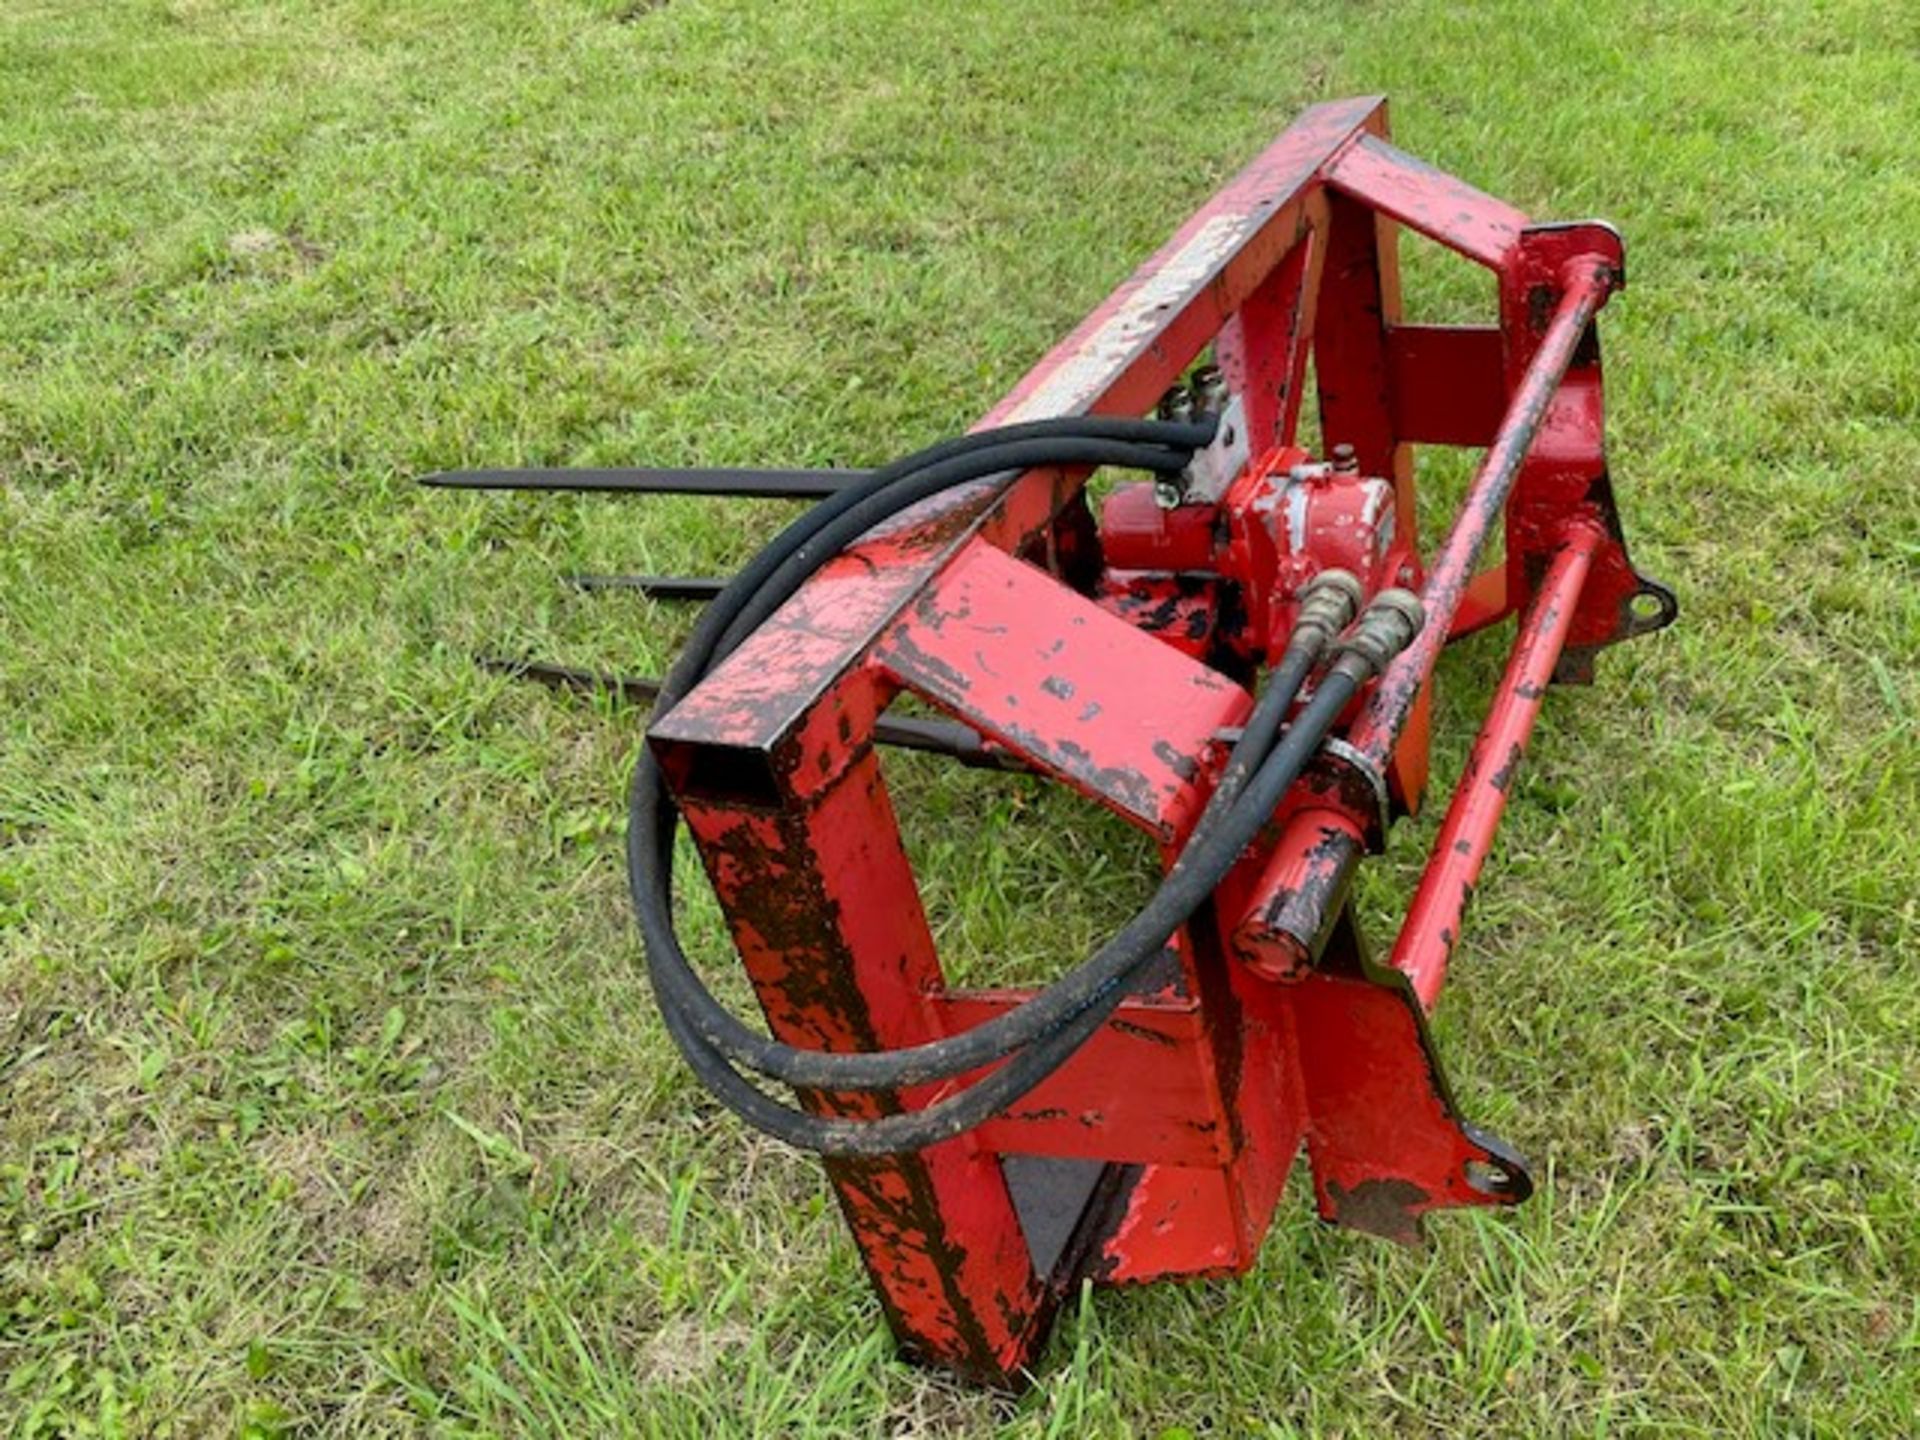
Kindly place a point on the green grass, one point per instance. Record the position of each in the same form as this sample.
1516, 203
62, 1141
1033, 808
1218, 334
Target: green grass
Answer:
332, 1099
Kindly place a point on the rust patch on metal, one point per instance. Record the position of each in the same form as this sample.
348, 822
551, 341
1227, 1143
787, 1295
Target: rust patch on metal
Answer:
1143, 1032
1503, 777
929, 669
1185, 766
1389, 1208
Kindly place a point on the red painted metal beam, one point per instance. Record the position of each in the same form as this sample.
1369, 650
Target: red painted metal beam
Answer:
1263, 347
1171, 1111
1588, 283
1433, 202
822, 905
1432, 926
1066, 685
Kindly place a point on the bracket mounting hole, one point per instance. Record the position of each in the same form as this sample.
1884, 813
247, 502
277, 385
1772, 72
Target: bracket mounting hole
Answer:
1489, 1178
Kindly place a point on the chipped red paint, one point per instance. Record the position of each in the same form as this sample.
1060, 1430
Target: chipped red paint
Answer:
1279, 931
1116, 660
1061, 682
1192, 613
1269, 534
1168, 1112
938, 1230
1433, 920
1443, 208
1375, 736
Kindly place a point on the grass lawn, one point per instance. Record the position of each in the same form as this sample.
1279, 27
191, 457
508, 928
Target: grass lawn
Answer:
331, 1098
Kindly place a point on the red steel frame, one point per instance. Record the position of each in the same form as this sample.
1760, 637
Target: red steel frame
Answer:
1161, 1149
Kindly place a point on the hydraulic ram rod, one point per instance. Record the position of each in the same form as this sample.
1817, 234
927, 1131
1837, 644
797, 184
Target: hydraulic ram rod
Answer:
1378, 729
1433, 921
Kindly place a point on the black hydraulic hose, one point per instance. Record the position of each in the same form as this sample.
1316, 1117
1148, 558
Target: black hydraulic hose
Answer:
1034, 1019
705, 645
652, 812
1187, 886
882, 503
700, 654
1053, 1025
1328, 604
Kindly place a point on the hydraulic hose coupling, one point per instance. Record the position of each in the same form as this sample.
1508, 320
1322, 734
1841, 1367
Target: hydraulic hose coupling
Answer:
1388, 627
1328, 603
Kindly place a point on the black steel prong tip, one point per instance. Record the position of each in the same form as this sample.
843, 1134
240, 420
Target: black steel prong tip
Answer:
907, 732
722, 483
654, 587
641, 688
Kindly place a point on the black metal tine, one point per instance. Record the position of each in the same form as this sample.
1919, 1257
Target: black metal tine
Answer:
741, 484
639, 688
902, 732
654, 587
944, 737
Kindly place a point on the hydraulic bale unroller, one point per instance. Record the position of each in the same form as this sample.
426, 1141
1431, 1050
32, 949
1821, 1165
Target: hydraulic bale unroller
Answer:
1137, 1118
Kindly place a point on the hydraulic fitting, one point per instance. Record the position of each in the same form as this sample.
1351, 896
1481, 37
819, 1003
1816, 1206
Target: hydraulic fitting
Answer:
1387, 628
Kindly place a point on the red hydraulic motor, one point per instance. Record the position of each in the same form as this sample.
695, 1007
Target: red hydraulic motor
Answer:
1235, 655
